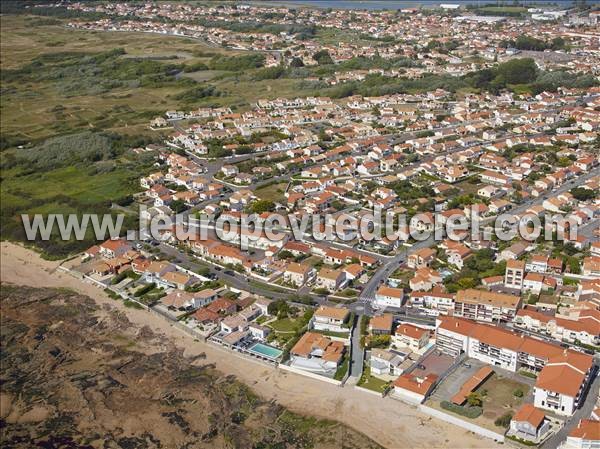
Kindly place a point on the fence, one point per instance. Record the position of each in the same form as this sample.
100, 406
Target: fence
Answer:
460, 423
309, 374
366, 390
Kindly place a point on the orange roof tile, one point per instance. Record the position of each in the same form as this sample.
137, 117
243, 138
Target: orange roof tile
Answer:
530, 414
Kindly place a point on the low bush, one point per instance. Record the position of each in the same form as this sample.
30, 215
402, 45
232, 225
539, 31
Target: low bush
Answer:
145, 289
504, 420
469, 412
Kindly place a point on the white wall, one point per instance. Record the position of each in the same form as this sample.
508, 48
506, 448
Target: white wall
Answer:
540, 395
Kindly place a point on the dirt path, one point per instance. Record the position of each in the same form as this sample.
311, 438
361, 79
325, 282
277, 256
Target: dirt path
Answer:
389, 422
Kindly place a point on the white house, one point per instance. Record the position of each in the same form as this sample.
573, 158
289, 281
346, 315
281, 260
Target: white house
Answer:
410, 336
388, 297
529, 423
330, 319
385, 363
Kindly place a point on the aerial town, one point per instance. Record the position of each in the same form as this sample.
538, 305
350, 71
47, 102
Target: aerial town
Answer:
500, 337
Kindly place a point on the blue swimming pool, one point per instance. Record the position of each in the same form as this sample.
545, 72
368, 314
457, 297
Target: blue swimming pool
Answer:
265, 350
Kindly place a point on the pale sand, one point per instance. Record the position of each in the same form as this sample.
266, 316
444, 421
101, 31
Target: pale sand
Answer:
389, 422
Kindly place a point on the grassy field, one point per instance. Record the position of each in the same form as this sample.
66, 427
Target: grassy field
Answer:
59, 82
273, 192
284, 325
30, 110
35, 110
503, 9
499, 397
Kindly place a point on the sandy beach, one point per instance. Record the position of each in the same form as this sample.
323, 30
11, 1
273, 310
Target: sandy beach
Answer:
391, 423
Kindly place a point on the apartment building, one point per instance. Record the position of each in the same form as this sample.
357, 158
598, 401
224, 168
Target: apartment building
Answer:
585, 329
562, 374
514, 274
561, 383
480, 305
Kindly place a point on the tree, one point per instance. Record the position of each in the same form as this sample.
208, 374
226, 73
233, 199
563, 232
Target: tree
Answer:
178, 206
517, 71
260, 206
285, 254
583, 194
296, 62
474, 400
323, 57
518, 393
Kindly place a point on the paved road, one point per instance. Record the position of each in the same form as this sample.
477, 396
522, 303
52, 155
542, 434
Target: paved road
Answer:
358, 353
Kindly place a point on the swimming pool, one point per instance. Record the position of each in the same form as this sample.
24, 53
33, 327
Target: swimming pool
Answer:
265, 350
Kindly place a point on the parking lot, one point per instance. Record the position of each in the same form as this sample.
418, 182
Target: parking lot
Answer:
455, 380
434, 363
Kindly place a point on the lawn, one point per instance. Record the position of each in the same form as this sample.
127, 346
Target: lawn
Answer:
499, 396
344, 366
349, 293
284, 330
371, 382
333, 334
273, 192
284, 325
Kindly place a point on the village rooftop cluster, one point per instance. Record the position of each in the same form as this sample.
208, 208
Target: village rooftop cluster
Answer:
498, 337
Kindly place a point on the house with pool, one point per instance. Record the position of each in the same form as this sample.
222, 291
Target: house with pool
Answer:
240, 332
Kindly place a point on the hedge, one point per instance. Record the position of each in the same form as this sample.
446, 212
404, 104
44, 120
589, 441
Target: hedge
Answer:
145, 289
469, 412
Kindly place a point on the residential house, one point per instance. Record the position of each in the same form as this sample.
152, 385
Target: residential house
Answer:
413, 388
388, 297
330, 279
424, 279
381, 324
318, 353
297, 273
330, 319
421, 258
114, 248
410, 336
434, 302
385, 363
529, 424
